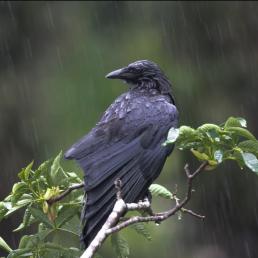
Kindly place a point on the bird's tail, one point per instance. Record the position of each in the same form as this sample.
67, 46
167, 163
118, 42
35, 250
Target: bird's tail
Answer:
101, 199
96, 210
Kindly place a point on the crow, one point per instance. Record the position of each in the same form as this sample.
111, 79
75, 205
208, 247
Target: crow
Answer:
126, 143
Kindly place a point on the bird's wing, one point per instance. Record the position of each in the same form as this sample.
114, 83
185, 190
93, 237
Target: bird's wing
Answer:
126, 144
128, 130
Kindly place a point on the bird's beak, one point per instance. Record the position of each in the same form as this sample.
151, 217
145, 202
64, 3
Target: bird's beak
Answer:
122, 73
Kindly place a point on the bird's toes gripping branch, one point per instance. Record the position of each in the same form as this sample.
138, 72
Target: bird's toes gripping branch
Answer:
142, 205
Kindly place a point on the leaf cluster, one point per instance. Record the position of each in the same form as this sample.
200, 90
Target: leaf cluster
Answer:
218, 143
31, 195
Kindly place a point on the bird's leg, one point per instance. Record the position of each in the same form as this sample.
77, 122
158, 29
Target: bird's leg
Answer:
118, 186
149, 210
149, 196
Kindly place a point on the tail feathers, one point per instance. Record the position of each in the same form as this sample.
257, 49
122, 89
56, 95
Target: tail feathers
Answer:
93, 223
99, 206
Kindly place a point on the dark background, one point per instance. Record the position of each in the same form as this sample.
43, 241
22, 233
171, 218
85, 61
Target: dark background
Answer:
53, 60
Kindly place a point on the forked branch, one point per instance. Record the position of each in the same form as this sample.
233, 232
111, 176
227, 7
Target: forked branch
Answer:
112, 224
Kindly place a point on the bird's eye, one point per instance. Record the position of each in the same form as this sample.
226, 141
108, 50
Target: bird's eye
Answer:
138, 69
132, 69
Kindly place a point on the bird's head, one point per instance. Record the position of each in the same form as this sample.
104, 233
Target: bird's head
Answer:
142, 73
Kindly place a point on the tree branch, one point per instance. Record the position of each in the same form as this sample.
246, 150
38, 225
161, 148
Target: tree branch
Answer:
64, 193
111, 226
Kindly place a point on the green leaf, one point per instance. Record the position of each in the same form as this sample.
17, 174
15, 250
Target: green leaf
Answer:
20, 205
187, 131
20, 253
71, 226
28, 170
4, 245
97, 255
39, 215
172, 136
42, 169
76, 252
188, 138
7, 205
74, 176
54, 247
57, 174
199, 155
3, 210
65, 214
24, 174
160, 191
238, 131
249, 146
213, 134
56, 165
23, 202
141, 230
27, 220
120, 246
208, 127
25, 241
235, 122
18, 190
237, 156
251, 161
19, 187
30, 241
57, 250
213, 163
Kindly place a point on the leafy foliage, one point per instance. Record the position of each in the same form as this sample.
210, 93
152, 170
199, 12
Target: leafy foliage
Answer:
141, 229
120, 246
36, 188
32, 193
215, 144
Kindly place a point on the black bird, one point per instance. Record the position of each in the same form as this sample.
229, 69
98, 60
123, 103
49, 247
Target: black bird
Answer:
126, 143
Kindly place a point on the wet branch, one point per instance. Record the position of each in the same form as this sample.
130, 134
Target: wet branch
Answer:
64, 193
111, 225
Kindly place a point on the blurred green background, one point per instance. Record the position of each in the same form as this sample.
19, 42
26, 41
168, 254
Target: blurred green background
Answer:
53, 60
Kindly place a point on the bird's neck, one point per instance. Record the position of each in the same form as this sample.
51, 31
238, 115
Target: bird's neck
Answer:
156, 86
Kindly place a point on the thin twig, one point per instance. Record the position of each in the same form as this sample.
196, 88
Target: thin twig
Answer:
199, 216
64, 193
